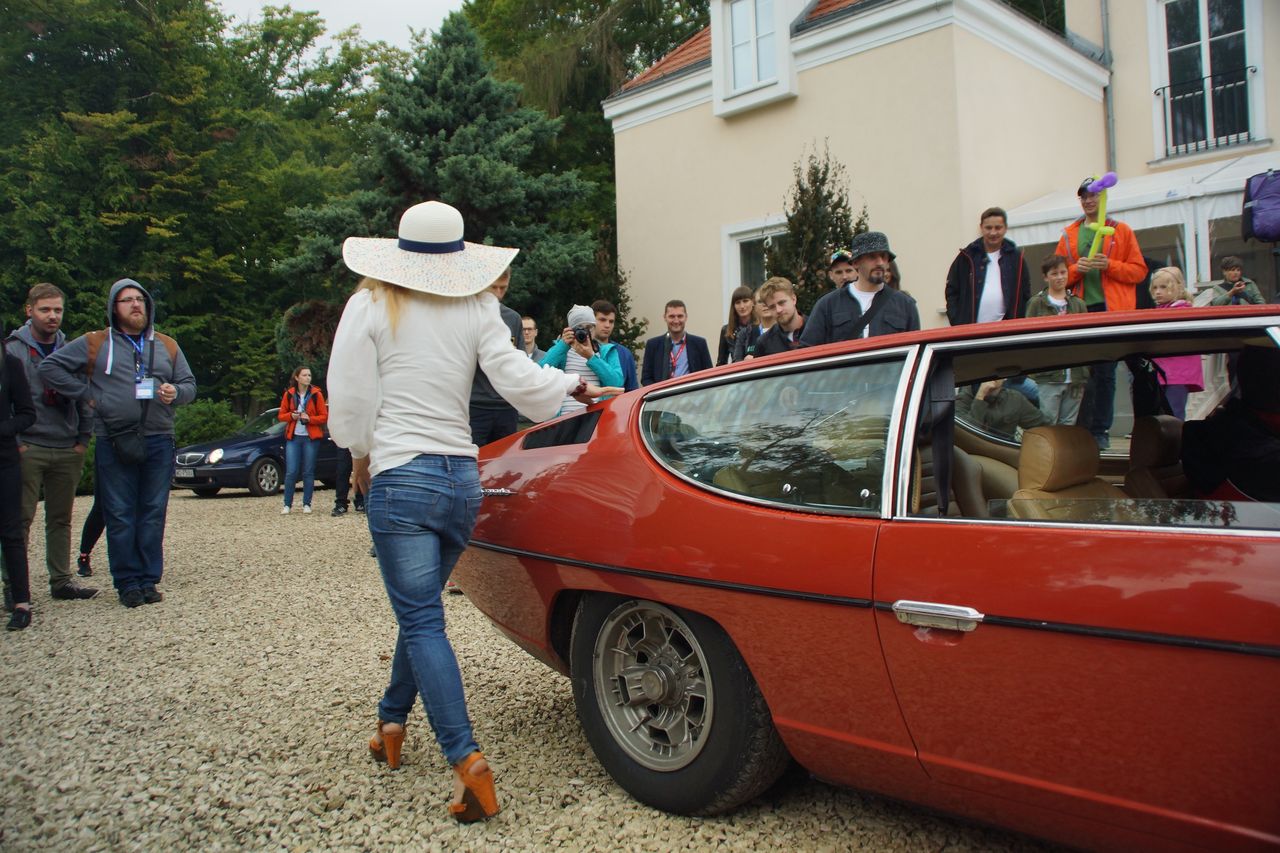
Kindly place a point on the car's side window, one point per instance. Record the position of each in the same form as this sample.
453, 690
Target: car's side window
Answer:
813, 439
1016, 448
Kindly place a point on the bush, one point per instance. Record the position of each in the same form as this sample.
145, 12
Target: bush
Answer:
86, 473
204, 420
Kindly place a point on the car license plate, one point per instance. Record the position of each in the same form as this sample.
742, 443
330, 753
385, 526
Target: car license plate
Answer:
185, 474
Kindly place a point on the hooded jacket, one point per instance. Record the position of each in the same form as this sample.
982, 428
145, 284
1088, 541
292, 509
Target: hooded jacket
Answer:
110, 389
60, 422
968, 274
1126, 269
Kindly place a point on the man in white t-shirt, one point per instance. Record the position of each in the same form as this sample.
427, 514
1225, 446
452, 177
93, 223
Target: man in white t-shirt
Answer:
852, 311
989, 279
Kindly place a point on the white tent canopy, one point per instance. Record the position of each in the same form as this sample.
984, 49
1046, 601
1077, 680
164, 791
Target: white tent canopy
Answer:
1189, 197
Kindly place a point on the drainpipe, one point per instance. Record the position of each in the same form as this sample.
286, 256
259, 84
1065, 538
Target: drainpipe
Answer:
1108, 102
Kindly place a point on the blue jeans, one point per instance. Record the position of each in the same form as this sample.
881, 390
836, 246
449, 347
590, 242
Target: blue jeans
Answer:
421, 515
300, 458
135, 501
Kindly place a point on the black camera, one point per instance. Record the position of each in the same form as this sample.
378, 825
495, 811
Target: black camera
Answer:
582, 334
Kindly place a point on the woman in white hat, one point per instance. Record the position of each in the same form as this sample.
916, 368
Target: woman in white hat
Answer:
400, 381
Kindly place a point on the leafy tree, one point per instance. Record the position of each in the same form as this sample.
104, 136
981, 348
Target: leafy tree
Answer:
819, 220
149, 142
450, 131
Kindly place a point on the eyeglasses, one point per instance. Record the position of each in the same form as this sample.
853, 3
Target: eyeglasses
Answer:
131, 299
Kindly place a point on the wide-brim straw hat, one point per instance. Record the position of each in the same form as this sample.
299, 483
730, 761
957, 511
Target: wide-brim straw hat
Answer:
429, 255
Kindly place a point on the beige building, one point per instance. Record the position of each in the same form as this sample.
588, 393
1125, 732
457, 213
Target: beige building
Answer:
939, 109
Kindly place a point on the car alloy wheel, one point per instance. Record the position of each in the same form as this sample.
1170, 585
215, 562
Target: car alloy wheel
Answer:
670, 708
264, 477
651, 685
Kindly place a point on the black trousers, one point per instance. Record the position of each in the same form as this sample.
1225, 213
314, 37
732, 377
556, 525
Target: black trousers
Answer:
342, 489
13, 542
94, 524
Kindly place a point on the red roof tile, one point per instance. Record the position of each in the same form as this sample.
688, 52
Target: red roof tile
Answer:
698, 47
826, 7
695, 49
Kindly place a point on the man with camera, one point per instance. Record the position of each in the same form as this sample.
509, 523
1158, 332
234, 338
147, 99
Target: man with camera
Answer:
53, 447
578, 352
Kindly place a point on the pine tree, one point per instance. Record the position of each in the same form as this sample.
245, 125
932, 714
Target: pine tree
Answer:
819, 221
448, 130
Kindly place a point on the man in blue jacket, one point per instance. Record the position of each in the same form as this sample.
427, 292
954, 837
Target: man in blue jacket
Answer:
134, 378
989, 279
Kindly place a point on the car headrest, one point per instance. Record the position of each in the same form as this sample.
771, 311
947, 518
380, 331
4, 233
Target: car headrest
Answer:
1057, 457
1157, 442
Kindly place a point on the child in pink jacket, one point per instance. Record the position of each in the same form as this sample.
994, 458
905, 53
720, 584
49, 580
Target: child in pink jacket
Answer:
1182, 373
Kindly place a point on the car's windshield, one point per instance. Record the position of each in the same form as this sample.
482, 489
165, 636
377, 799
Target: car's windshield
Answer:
264, 424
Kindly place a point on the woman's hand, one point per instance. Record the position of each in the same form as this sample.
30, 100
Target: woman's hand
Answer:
593, 392
360, 474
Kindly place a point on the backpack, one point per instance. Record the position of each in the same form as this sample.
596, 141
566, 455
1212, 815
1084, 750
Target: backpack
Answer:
97, 338
1260, 218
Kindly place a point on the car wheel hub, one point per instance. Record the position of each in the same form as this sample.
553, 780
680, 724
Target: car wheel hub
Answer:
652, 685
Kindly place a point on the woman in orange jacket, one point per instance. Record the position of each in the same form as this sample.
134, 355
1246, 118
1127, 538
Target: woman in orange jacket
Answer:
304, 411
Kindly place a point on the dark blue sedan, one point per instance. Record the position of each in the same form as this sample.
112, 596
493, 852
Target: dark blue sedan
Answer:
251, 459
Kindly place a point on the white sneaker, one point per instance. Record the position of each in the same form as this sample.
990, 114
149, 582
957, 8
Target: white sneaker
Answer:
284, 511
306, 510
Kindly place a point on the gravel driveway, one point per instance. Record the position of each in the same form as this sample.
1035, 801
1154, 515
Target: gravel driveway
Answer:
234, 715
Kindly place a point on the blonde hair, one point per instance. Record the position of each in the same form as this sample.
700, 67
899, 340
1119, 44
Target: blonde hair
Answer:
395, 296
775, 285
1175, 279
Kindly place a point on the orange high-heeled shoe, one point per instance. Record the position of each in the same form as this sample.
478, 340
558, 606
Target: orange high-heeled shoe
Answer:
479, 800
386, 745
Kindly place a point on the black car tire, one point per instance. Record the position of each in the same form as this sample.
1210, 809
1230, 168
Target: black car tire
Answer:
264, 477
725, 749
206, 491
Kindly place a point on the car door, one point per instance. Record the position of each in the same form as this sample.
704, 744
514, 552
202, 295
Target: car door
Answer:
1127, 673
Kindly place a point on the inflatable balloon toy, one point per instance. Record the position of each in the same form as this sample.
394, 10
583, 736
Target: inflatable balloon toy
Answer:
1100, 228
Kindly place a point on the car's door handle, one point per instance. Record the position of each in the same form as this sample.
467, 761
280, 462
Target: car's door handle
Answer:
496, 493
926, 614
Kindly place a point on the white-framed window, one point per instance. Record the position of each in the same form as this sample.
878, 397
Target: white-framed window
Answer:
751, 34
1205, 58
751, 55
742, 248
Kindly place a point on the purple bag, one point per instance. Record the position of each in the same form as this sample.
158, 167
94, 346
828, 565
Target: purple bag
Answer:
1261, 214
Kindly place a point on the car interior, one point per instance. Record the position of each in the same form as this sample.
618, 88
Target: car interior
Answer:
1056, 472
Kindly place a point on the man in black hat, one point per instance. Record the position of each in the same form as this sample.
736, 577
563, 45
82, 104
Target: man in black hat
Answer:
865, 307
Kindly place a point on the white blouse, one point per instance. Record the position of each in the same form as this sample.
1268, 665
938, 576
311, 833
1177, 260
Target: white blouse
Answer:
392, 397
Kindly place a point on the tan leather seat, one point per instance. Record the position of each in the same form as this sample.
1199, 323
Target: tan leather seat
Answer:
966, 498
1058, 478
1155, 459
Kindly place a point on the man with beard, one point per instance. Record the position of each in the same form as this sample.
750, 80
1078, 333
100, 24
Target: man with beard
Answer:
784, 335
866, 307
135, 378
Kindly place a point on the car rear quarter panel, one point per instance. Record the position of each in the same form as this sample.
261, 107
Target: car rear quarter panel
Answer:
792, 590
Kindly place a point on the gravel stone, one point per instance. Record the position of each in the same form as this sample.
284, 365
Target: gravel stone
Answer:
235, 714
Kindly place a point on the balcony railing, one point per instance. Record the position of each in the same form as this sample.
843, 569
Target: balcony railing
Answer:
1213, 112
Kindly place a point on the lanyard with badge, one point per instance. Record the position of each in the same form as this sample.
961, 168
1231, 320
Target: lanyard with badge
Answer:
144, 384
676, 351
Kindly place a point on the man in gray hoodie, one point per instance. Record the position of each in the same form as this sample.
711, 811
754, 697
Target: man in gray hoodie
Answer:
53, 447
133, 377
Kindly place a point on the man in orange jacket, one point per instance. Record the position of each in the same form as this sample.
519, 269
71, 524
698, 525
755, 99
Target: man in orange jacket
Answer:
1106, 282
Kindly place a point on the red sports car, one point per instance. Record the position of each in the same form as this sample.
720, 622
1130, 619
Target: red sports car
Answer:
884, 560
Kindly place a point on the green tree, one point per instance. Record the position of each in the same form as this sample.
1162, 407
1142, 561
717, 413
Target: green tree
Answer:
819, 220
150, 143
450, 131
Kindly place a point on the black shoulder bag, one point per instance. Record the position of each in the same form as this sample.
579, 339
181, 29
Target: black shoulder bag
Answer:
129, 441
877, 303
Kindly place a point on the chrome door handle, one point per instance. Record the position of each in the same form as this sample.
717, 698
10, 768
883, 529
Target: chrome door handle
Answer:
496, 493
926, 614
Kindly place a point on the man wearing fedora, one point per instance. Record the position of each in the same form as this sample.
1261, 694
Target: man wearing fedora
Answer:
866, 307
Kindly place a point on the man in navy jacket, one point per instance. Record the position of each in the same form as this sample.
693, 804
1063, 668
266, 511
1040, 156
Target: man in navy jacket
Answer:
989, 279
676, 353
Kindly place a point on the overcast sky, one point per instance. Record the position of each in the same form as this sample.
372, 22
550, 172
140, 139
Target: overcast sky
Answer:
386, 20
